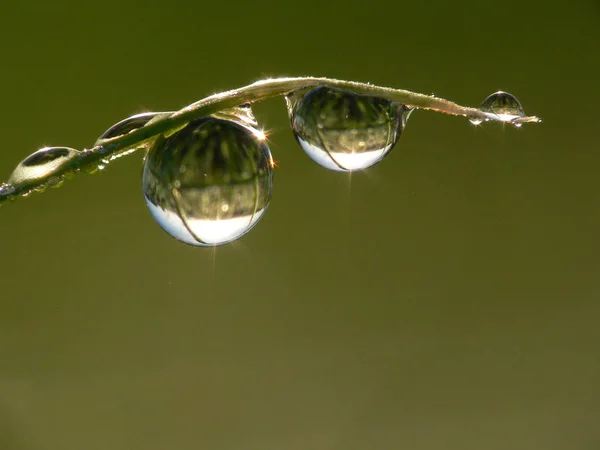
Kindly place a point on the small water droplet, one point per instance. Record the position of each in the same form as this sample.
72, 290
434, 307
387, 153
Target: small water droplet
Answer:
56, 182
42, 164
6, 189
69, 175
128, 125
475, 120
90, 169
344, 131
503, 106
225, 188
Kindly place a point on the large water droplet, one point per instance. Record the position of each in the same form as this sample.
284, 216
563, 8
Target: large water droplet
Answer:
42, 164
209, 183
344, 131
128, 125
503, 105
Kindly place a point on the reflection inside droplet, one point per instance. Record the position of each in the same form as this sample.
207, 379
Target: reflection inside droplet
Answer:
209, 183
344, 131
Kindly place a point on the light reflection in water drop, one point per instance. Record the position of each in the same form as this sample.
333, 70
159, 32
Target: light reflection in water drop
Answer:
209, 183
344, 131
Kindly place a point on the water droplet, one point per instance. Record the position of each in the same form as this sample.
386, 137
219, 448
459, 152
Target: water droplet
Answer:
56, 182
6, 189
90, 169
226, 185
343, 131
42, 164
70, 174
503, 106
128, 125
475, 120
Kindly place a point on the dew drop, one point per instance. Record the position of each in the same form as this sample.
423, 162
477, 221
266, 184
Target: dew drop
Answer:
56, 182
42, 164
6, 189
344, 131
91, 169
503, 106
223, 191
128, 125
475, 120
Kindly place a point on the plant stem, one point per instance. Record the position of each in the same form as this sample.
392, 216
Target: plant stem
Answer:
261, 90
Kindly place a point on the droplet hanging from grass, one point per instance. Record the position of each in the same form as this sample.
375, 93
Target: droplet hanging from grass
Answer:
344, 131
210, 182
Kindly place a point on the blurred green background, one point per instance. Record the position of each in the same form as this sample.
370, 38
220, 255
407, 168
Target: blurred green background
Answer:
447, 298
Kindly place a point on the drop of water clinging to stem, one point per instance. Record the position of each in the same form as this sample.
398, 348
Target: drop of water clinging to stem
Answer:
128, 125
503, 106
210, 182
121, 128
42, 164
344, 131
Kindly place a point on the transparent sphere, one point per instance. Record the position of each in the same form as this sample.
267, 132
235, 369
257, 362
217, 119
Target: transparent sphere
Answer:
504, 105
42, 164
128, 125
344, 131
209, 183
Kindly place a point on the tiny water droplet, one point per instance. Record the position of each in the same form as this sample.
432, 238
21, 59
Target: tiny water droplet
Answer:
6, 189
475, 120
56, 182
69, 175
42, 164
226, 185
344, 131
503, 105
90, 169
